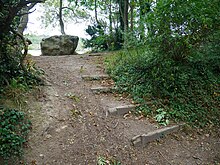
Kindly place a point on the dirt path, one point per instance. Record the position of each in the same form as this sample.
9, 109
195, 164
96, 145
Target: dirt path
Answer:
70, 126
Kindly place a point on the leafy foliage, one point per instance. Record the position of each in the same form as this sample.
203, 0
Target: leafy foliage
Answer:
161, 117
177, 75
186, 91
100, 39
56, 11
105, 161
17, 73
108, 23
14, 128
12, 76
178, 27
12, 61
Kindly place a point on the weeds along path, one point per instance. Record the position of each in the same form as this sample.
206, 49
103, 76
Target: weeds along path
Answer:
70, 126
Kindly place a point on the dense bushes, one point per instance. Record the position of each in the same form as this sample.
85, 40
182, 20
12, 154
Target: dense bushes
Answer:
177, 74
187, 92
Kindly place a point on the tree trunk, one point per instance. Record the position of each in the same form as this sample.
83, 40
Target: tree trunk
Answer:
110, 16
5, 26
121, 21
125, 15
121, 14
24, 17
132, 16
96, 14
23, 20
141, 23
13, 11
61, 18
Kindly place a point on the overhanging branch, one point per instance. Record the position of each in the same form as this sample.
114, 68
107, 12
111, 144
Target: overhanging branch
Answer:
32, 3
26, 13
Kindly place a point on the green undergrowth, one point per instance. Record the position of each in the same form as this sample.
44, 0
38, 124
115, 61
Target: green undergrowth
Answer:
14, 128
12, 78
187, 91
14, 121
107, 161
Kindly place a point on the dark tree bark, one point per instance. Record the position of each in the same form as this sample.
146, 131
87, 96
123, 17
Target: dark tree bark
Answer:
120, 38
141, 25
23, 20
132, 16
24, 15
121, 14
13, 12
61, 18
110, 16
125, 15
96, 14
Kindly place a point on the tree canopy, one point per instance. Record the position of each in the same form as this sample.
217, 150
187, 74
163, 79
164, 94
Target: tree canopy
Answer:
60, 12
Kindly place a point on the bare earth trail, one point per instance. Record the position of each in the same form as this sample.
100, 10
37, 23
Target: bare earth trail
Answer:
70, 126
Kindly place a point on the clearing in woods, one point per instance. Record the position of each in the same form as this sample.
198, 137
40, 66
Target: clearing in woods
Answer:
70, 125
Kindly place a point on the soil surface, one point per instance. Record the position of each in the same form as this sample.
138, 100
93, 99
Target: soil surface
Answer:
70, 126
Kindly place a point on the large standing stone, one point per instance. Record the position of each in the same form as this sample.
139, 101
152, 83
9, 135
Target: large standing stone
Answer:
59, 45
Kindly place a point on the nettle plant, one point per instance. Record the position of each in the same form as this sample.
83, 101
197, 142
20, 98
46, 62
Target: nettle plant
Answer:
14, 128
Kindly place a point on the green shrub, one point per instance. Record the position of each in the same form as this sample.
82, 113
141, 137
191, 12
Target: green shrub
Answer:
14, 128
12, 78
177, 75
178, 27
186, 91
100, 39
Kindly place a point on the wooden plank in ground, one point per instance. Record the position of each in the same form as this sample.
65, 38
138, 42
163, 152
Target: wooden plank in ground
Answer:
95, 77
101, 89
96, 54
142, 140
121, 110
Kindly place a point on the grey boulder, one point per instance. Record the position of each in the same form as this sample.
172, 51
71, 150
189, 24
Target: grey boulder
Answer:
59, 45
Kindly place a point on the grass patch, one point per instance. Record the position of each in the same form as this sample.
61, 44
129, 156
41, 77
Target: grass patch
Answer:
186, 91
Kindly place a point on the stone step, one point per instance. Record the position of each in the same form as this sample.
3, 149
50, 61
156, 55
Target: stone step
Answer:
143, 139
96, 54
95, 77
121, 110
101, 89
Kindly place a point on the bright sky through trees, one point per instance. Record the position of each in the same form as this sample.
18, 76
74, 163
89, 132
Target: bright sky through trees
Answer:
35, 26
